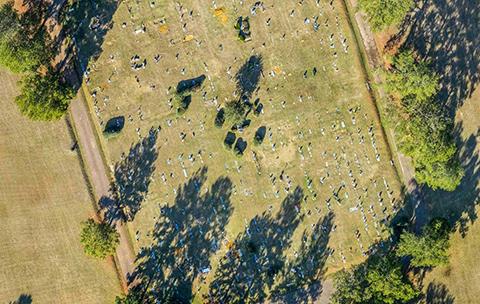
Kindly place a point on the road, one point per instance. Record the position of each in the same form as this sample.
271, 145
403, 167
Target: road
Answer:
99, 178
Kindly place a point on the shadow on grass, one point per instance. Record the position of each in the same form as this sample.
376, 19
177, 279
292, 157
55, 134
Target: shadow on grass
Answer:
447, 33
85, 24
256, 256
256, 262
438, 293
185, 237
302, 279
132, 177
248, 77
23, 299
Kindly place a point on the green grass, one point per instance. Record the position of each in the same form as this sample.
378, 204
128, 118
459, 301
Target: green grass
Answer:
43, 199
332, 95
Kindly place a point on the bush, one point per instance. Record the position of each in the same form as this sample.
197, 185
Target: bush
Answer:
384, 13
181, 101
430, 248
44, 97
99, 239
234, 112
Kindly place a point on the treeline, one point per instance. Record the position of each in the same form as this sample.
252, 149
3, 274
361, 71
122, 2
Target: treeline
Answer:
383, 278
26, 49
423, 128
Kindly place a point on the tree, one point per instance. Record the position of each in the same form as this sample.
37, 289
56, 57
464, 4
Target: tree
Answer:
378, 280
425, 137
44, 97
130, 298
384, 13
423, 131
430, 248
99, 239
21, 50
234, 112
412, 80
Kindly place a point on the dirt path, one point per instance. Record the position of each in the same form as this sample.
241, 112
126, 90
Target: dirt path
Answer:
99, 178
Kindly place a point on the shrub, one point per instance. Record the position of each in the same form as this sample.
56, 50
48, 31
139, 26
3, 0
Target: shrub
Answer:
99, 239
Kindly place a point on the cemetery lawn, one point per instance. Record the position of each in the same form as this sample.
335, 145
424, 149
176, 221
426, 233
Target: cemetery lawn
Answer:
326, 117
43, 199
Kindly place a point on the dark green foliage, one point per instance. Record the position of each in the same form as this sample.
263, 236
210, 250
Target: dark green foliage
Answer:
98, 239
44, 97
423, 130
234, 112
181, 101
243, 27
23, 48
412, 80
384, 13
130, 298
378, 280
430, 248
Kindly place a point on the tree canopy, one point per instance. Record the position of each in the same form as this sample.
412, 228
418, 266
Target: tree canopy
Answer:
99, 239
21, 49
130, 298
234, 112
378, 281
44, 97
424, 130
412, 79
430, 248
384, 13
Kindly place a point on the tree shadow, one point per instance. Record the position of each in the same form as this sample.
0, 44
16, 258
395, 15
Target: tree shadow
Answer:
257, 256
185, 237
84, 26
446, 33
189, 85
248, 77
301, 281
23, 299
132, 177
438, 293
459, 206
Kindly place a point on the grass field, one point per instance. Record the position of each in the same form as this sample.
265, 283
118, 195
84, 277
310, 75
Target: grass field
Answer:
321, 129
43, 199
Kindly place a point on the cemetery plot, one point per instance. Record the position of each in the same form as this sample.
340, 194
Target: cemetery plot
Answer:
277, 140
